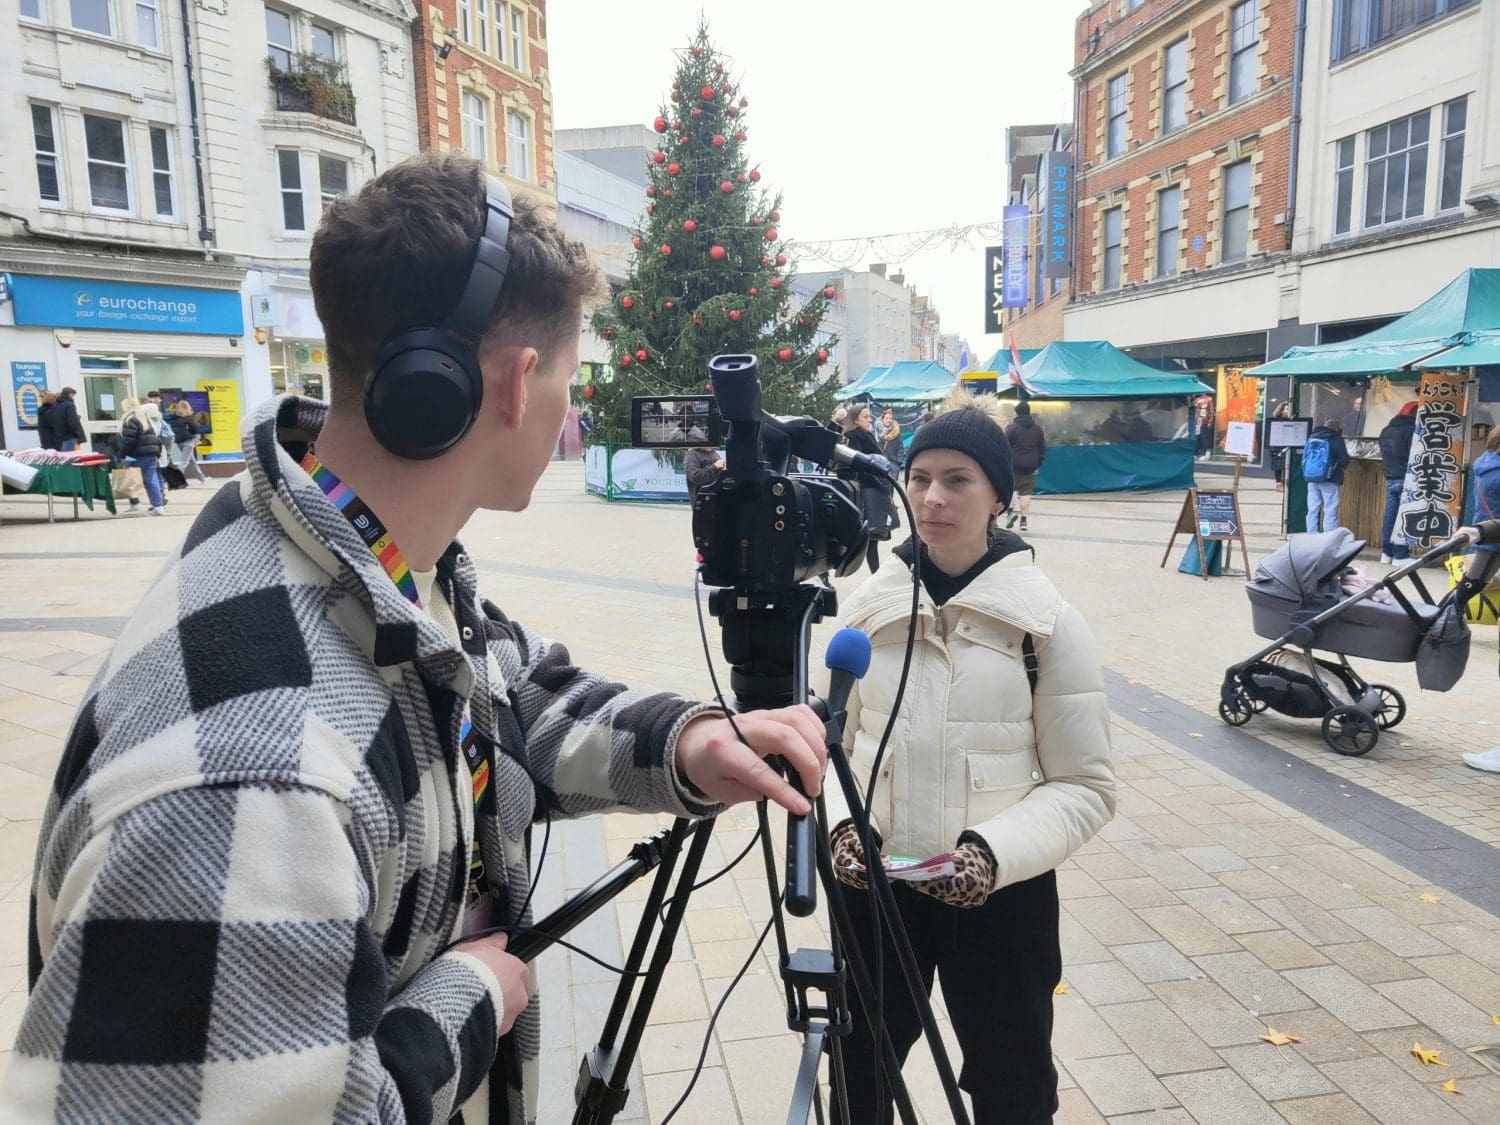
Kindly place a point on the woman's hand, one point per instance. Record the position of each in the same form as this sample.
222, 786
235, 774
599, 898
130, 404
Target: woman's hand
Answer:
971, 881
848, 856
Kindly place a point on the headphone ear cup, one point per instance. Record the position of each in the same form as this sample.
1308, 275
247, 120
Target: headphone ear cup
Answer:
421, 398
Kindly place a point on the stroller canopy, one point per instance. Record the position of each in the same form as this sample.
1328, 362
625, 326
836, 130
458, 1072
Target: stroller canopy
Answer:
1300, 571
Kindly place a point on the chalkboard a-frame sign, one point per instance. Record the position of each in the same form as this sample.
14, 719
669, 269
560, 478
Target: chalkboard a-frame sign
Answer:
1210, 514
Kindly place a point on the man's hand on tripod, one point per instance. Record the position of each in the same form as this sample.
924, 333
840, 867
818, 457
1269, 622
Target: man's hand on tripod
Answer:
727, 771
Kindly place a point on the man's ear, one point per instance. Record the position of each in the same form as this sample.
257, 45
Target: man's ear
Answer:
505, 371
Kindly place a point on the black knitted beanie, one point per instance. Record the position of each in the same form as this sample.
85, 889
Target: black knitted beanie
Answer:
970, 430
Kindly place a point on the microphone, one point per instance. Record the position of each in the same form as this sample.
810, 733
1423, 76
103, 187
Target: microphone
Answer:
870, 464
848, 658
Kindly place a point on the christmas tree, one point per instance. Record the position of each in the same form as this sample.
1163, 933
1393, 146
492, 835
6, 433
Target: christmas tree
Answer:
709, 271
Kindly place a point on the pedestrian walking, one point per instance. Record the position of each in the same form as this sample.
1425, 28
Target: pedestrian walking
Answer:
66, 424
140, 441
1323, 460
1001, 758
1028, 449
46, 432
187, 434
1279, 456
893, 448
859, 431
1205, 422
1395, 451
883, 425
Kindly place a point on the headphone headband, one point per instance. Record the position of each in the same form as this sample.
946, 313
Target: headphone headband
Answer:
471, 316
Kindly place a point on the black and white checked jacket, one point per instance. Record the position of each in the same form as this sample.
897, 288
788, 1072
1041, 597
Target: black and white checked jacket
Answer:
258, 839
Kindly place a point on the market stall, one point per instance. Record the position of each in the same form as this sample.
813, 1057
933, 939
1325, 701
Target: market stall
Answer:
906, 381
1441, 356
1112, 424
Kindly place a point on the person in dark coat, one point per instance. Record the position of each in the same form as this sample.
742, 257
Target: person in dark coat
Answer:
1279, 456
66, 423
1395, 451
45, 432
704, 465
140, 440
1028, 449
859, 431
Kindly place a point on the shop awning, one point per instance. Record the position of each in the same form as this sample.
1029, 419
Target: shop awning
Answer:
1425, 337
1098, 369
1479, 349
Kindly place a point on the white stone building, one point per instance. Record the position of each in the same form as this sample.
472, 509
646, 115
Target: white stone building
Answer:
871, 313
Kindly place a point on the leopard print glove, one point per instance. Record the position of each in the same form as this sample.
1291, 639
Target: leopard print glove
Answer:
970, 883
847, 852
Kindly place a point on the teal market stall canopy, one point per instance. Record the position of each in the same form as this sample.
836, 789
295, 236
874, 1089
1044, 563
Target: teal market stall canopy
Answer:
864, 382
999, 363
1457, 327
1112, 424
907, 381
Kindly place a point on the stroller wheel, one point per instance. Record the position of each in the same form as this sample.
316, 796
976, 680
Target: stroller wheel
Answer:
1238, 710
1349, 731
1395, 706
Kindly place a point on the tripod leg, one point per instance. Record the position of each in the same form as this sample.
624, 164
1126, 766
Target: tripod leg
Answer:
805, 1092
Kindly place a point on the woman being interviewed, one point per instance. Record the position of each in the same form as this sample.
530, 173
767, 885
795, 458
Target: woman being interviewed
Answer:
1009, 773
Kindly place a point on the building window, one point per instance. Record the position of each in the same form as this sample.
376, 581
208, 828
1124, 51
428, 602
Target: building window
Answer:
1343, 186
1451, 177
484, 27
1168, 231
518, 39
1132, 5
109, 171
1174, 88
163, 182
476, 127
1243, 39
325, 42
48, 167
518, 144
1359, 25
1236, 212
1396, 169
293, 216
499, 29
31, 9
1117, 135
1114, 246
333, 179
148, 24
92, 15
279, 38
466, 20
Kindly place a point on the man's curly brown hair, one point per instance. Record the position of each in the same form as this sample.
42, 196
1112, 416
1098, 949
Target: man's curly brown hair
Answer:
397, 253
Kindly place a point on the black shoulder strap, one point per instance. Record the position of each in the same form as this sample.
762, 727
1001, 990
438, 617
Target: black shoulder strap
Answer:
1028, 658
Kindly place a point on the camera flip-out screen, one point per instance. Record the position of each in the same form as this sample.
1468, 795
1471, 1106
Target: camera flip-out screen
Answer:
675, 423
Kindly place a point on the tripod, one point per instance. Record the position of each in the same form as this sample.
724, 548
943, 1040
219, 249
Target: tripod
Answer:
766, 639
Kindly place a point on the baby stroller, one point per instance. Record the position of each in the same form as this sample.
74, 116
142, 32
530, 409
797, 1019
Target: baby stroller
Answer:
1298, 602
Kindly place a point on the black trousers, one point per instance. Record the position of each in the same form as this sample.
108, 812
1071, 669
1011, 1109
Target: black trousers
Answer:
998, 964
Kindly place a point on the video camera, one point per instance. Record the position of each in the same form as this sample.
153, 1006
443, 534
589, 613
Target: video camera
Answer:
761, 527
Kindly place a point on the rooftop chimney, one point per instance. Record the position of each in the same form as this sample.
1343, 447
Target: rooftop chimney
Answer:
877, 268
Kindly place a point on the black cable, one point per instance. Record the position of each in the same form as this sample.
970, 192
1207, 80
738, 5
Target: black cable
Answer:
713, 1019
719, 874
541, 860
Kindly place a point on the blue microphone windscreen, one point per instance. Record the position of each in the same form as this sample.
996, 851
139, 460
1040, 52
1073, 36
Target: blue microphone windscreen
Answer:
850, 650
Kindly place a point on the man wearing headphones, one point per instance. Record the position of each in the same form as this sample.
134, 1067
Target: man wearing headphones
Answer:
290, 828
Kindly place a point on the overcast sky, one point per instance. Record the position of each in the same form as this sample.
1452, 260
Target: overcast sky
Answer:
872, 116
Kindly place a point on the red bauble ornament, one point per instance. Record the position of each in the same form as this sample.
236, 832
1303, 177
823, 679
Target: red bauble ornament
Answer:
609, 333
784, 354
665, 249
670, 306
651, 193
718, 141
828, 292
800, 322
822, 356
667, 192
697, 112
726, 187
660, 124
697, 51
682, 140
659, 156
765, 261
707, 93
781, 259
754, 292
740, 178
677, 125
771, 234
776, 216
625, 361
734, 315
733, 111
739, 135
755, 220
776, 283
636, 242
697, 319
718, 253
628, 302
588, 391
708, 388
718, 70
650, 316
755, 175
643, 355
744, 102
675, 86
674, 169
690, 226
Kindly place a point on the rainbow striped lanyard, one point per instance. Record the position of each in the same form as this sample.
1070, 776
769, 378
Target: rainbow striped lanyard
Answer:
384, 548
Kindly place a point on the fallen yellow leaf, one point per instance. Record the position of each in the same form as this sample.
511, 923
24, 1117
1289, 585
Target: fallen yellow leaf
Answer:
1495, 1019
1451, 1086
1426, 1058
1059, 990
1278, 1038
1428, 898
1194, 734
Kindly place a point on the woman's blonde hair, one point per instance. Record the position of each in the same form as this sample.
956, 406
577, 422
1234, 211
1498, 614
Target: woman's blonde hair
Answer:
182, 408
893, 431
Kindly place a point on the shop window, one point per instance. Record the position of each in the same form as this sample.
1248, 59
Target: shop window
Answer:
1359, 25
1114, 246
163, 182
96, 16
1451, 177
109, 169
148, 24
1396, 170
48, 166
1236, 212
333, 179
1343, 185
289, 167
518, 38
518, 144
476, 126
1243, 40
1117, 136
325, 42
466, 20
279, 43
1168, 231
31, 9
1174, 88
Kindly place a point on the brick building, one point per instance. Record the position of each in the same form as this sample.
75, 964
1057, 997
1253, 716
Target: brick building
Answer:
483, 87
1184, 145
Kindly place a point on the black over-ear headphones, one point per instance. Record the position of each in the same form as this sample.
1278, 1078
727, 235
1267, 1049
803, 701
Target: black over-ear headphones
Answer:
424, 387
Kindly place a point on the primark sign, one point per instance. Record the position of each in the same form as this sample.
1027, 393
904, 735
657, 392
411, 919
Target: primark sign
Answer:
68, 302
1057, 191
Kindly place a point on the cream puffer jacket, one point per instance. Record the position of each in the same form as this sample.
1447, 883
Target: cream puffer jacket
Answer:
973, 749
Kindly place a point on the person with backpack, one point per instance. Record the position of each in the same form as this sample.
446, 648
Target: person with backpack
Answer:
1395, 451
1001, 757
1323, 460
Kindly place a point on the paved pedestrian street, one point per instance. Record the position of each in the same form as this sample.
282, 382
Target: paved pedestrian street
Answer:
1252, 879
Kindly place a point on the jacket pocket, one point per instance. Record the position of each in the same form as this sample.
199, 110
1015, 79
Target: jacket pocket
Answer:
997, 781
